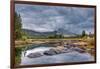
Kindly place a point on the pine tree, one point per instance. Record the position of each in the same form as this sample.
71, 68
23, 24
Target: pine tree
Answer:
17, 25
83, 33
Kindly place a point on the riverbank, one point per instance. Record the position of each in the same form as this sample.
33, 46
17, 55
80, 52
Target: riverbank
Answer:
86, 44
40, 41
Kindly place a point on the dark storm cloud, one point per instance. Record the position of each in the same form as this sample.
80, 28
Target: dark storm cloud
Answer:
50, 18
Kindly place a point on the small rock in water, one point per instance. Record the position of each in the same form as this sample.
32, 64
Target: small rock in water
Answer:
34, 55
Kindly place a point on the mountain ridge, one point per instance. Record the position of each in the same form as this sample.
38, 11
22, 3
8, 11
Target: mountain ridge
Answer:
60, 31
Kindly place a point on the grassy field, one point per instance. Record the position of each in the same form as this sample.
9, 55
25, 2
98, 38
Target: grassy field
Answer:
39, 41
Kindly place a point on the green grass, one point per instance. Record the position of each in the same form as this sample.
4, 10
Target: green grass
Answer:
18, 55
17, 60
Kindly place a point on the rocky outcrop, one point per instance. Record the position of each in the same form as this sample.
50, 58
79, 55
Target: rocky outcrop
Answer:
64, 50
57, 50
52, 52
34, 55
78, 50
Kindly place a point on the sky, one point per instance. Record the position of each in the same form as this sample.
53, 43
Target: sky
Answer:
42, 18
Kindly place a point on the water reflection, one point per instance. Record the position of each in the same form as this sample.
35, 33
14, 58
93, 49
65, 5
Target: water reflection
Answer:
72, 56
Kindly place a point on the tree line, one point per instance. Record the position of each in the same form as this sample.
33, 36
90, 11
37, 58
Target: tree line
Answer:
17, 26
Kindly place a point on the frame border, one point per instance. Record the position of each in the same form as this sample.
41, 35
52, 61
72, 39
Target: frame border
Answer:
12, 51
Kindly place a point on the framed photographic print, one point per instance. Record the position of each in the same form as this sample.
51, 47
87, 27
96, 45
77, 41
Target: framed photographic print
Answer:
49, 34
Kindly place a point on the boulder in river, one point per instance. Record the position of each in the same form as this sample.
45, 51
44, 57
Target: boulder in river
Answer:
34, 55
79, 49
58, 51
52, 52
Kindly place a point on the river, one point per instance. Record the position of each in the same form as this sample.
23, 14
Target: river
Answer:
72, 56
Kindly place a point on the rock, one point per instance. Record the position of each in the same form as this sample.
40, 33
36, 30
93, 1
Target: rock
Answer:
58, 51
52, 52
34, 55
67, 46
78, 49
65, 50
